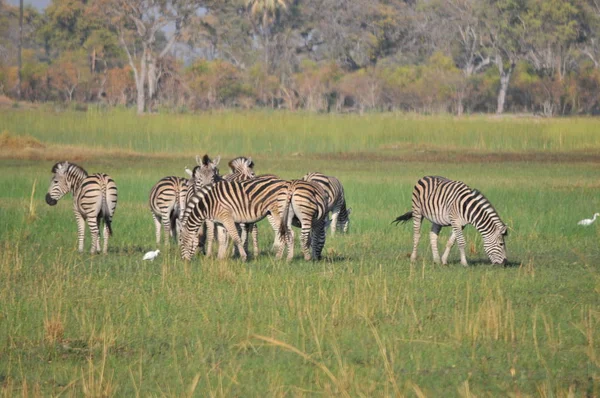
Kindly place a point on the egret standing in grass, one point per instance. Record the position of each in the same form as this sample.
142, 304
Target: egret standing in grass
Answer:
151, 255
588, 221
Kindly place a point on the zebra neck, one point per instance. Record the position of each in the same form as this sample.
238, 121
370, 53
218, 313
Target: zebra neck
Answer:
75, 178
482, 215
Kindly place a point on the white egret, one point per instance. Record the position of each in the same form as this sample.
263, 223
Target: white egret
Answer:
588, 221
151, 255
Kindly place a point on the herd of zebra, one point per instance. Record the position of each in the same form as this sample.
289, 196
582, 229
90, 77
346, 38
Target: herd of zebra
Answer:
193, 210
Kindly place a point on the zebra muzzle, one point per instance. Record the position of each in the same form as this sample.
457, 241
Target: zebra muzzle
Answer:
50, 201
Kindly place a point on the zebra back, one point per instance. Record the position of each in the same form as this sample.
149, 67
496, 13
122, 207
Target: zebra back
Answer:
168, 195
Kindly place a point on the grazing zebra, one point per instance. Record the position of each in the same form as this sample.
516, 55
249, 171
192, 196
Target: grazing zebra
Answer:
340, 215
167, 202
94, 200
452, 203
231, 202
308, 202
204, 174
242, 169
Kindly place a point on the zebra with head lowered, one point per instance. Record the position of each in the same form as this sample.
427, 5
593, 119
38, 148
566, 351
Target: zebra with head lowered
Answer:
94, 200
307, 207
242, 169
452, 203
340, 215
231, 202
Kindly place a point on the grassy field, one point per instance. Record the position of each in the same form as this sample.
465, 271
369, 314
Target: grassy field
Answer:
362, 322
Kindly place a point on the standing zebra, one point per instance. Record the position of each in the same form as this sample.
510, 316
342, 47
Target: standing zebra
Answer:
308, 202
340, 215
167, 202
242, 169
452, 203
231, 202
94, 200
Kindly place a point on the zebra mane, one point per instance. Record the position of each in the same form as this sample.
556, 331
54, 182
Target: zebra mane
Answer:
206, 160
69, 166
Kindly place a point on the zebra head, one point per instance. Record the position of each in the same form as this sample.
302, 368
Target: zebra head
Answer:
343, 221
242, 166
59, 183
206, 172
187, 243
494, 245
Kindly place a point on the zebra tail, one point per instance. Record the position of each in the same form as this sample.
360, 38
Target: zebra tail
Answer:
403, 218
283, 227
106, 215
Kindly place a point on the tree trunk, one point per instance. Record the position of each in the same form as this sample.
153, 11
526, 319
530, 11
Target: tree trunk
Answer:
20, 60
504, 80
140, 83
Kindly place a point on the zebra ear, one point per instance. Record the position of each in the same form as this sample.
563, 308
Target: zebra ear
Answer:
504, 230
188, 171
198, 160
216, 161
250, 163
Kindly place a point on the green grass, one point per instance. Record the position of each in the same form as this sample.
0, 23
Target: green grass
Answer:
288, 133
362, 322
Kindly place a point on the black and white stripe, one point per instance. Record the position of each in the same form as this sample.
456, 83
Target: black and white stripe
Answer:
94, 200
340, 214
167, 203
204, 174
308, 207
242, 169
231, 202
452, 203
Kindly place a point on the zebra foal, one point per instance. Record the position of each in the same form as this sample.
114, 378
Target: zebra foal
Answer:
94, 200
446, 202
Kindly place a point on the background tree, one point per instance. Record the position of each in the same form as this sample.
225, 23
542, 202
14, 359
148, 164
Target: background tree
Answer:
139, 24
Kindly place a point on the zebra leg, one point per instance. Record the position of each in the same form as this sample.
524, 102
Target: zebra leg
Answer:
210, 236
449, 245
80, 231
166, 222
232, 230
254, 228
318, 239
417, 221
433, 237
93, 224
334, 217
105, 236
305, 240
157, 228
244, 235
223, 242
460, 238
